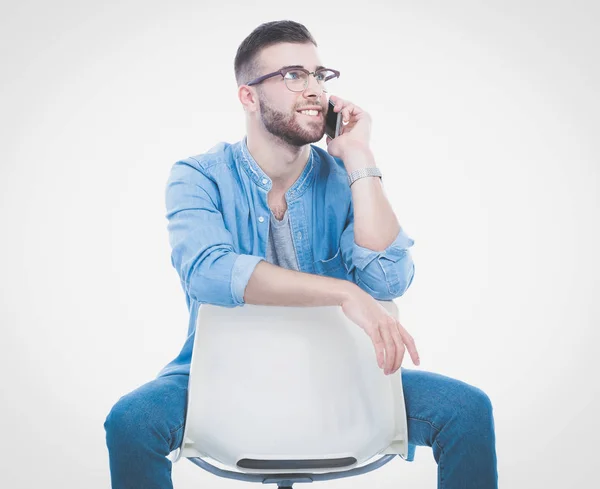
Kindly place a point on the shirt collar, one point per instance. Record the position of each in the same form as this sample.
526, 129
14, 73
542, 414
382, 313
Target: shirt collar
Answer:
260, 178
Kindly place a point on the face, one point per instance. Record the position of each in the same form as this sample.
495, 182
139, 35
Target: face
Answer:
279, 107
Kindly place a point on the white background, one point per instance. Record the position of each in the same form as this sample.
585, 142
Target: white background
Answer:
485, 125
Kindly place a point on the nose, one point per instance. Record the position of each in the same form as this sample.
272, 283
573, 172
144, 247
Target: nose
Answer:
313, 88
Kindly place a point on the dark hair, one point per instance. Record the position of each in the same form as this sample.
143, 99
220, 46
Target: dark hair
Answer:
246, 59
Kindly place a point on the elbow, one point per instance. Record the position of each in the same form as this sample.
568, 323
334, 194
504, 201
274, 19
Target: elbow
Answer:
205, 291
385, 279
401, 286
208, 280
220, 278
379, 293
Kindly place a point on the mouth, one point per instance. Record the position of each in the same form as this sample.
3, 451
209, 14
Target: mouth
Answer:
310, 113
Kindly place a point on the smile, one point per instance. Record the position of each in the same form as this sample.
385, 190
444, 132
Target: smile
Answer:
310, 113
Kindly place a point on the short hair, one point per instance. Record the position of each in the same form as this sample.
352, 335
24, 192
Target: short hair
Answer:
246, 64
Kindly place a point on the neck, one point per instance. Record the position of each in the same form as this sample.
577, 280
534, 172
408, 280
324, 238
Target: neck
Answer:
283, 163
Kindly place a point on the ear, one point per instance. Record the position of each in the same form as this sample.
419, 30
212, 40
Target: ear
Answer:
248, 97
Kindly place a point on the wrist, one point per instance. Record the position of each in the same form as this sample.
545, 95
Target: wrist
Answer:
358, 156
347, 291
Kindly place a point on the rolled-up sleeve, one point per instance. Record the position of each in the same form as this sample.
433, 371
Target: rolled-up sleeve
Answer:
384, 274
202, 249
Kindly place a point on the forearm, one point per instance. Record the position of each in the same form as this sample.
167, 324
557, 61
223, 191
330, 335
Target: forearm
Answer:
375, 223
276, 286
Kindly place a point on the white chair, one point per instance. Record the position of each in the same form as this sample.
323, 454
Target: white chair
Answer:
289, 394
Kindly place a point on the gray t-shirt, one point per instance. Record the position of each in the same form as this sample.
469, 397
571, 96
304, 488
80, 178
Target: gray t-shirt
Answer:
280, 248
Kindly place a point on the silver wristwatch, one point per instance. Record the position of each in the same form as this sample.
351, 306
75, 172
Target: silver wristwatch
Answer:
363, 172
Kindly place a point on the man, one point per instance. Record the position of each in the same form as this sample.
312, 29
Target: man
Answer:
275, 220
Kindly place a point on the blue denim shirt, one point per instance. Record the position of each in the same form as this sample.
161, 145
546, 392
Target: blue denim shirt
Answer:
218, 222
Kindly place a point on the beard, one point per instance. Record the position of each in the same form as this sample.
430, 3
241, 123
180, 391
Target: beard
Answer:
286, 126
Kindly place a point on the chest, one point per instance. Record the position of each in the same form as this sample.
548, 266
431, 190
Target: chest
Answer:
278, 205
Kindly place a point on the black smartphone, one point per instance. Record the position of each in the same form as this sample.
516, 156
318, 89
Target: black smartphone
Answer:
333, 121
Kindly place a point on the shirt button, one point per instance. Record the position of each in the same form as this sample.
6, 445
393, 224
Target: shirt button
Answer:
261, 219
299, 235
265, 181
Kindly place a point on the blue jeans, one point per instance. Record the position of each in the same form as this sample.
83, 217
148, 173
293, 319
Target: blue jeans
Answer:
451, 416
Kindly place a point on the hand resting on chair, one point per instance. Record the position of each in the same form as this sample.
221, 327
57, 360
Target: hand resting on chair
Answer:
273, 285
387, 334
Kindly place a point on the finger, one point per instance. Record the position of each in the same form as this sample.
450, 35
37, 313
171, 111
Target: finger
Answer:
346, 113
409, 341
400, 349
334, 99
378, 344
327, 139
339, 103
352, 110
390, 347
345, 107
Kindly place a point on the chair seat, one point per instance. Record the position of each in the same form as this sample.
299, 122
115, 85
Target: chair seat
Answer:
289, 389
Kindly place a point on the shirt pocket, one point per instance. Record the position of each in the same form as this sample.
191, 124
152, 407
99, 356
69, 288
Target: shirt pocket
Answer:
332, 267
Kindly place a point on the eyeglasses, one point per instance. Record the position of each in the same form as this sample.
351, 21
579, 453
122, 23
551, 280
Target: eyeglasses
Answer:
296, 77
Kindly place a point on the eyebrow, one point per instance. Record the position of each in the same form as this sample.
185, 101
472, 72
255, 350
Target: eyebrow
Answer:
302, 66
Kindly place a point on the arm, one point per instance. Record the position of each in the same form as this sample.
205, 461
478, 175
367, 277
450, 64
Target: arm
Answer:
277, 286
273, 285
375, 224
203, 252
374, 248
373, 244
209, 268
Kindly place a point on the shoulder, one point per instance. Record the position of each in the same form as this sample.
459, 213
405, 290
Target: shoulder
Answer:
221, 154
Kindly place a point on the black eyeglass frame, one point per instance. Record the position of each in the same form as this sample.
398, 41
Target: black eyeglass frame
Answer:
283, 72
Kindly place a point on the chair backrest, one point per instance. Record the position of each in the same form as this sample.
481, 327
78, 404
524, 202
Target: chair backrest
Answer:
274, 389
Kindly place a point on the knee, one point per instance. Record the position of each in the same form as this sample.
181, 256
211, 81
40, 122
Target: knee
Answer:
149, 413
125, 421
476, 408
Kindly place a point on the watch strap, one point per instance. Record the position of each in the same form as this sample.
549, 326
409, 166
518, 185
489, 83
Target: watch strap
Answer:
363, 172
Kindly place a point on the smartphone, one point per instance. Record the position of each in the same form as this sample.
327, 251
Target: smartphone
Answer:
333, 121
